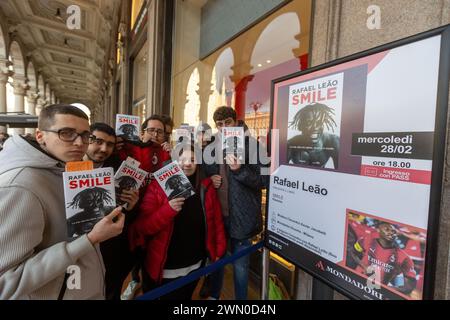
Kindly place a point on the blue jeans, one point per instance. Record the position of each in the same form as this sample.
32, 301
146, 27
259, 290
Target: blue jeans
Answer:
240, 272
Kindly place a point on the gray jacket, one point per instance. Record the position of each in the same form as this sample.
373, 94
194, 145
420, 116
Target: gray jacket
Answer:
34, 254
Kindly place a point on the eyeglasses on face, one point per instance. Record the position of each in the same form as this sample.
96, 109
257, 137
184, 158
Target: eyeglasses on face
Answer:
224, 123
158, 132
99, 142
70, 135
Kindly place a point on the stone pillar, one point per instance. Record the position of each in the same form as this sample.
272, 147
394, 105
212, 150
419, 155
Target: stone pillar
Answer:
20, 89
3, 82
301, 53
32, 99
241, 78
240, 92
204, 92
4, 74
39, 105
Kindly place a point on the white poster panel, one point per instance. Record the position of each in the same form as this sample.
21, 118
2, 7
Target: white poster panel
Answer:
351, 199
309, 207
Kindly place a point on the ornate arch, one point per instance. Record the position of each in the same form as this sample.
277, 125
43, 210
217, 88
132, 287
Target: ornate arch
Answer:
17, 59
192, 105
273, 47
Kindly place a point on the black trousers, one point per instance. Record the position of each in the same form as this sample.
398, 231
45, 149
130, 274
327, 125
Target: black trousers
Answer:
119, 261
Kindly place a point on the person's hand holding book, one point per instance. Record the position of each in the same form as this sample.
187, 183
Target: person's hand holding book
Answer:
176, 204
129, 196
108, 227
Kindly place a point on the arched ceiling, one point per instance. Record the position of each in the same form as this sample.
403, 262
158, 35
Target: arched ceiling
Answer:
72, 61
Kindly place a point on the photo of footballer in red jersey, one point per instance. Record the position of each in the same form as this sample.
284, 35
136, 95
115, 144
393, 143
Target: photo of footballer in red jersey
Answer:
393, 251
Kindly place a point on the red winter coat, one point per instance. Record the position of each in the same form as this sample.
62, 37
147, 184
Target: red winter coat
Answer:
153, 227
150, 155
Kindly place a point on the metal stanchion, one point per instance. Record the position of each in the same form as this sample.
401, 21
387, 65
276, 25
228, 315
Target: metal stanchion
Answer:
321, 291
265, 275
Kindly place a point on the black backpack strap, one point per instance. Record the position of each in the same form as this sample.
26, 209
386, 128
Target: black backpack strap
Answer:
63, 287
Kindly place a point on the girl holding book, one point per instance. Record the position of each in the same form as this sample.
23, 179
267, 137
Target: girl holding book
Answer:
179, 235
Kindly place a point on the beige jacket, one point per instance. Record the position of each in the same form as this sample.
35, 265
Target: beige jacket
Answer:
34, 254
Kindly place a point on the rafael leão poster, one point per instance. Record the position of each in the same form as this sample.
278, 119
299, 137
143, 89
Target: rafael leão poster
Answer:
315, 109
352, 201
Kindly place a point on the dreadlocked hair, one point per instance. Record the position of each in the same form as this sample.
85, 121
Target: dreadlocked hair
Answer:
127, 182
322, 114
99, 194
128, 126
172, 181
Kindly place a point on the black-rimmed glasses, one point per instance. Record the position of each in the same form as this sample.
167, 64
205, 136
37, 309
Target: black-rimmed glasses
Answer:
159, 132
99, 142
70, 135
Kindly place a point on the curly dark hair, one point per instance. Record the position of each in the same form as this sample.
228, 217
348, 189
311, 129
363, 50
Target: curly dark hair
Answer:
322, 115
128, 127
127, 182
98, 193
172, 182
223, 113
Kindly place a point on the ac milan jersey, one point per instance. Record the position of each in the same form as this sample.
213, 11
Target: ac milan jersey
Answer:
412, 248
390, 261
150, 155
361, 230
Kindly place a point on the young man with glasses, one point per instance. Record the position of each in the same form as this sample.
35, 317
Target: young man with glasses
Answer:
151, 151
154, 129
116, 253
33, 232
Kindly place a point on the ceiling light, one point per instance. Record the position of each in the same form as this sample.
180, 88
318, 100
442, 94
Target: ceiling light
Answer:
268, 61
259, 65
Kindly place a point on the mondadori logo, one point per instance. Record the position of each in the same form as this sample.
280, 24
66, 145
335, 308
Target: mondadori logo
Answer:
370, 287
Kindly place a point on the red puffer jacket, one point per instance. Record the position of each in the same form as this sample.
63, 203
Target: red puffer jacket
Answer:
150, 155
153, 227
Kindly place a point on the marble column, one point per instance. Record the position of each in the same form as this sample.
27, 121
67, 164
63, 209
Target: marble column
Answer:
241, 77
3, 82
241, 92
31, 99
39, 105
20, 89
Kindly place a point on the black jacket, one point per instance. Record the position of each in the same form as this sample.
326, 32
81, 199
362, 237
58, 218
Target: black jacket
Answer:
244, 194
